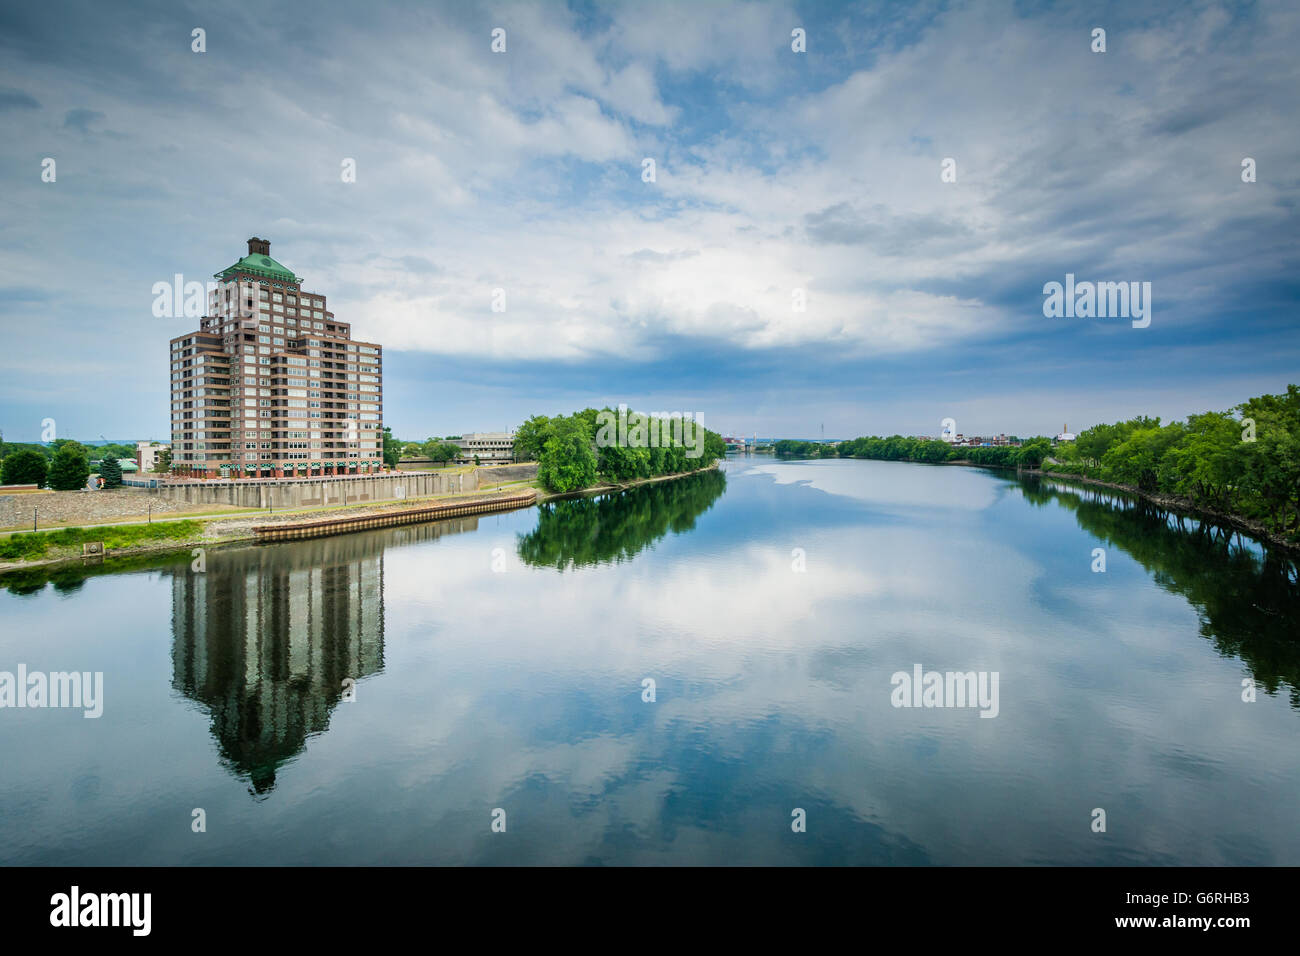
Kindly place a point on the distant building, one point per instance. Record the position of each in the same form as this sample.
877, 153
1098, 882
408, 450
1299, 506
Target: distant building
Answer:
487, 446
1065, 435
146, 454
980, 441
128, 465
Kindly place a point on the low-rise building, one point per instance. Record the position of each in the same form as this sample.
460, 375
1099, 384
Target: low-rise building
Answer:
486, 446
146, 454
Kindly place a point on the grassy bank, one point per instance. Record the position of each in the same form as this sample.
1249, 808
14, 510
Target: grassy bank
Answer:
26, 550
33, 545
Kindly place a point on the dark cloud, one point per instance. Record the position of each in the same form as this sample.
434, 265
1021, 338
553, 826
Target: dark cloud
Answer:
1123, 166
81, 119
12, 99
877, 229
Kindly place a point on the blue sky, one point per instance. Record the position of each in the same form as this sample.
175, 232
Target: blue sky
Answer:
775, 171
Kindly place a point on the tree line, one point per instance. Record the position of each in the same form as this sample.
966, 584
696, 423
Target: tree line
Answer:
1243, 462
439, 450
569, 457
64, 464
901, 448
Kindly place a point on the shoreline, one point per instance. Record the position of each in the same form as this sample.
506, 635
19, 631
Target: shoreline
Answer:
238, 529
545, 496
224, 531
1173, 503
1177, 503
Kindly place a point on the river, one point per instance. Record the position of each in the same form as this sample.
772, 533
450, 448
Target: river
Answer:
478, 691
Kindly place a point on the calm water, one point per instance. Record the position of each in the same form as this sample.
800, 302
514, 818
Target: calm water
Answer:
498, 663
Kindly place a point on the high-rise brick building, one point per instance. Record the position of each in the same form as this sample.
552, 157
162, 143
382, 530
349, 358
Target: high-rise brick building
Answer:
271, 386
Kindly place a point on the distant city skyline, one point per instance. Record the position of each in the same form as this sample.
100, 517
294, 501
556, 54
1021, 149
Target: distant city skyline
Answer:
780, 179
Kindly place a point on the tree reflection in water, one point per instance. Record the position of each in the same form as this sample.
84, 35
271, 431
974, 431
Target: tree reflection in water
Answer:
1247, 596
581, 532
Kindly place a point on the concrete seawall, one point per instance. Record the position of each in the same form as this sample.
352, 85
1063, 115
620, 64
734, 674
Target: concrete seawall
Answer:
320, 491
524, 471
295, 530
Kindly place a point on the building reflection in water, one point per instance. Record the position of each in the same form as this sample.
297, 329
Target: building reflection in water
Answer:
265, 638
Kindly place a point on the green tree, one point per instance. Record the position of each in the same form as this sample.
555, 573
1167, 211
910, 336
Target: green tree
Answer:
70, 468
567, 461
440, 451
163, 463
111, 471
73, 445
24, 468
1208, 465
115, 449
569, 451
1137, 459
619, 463
796, 448
392, 448
531, 436
1032, 452
1093, 443
1272, 479
933, 451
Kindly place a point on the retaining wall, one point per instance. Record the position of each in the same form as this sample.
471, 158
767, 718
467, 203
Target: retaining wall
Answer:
341, 490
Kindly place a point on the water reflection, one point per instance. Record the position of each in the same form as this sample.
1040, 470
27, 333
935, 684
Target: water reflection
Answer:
581, 532
524, 689
1247, 597
266, 637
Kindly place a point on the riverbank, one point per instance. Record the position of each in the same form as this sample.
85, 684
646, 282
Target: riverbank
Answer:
1174, 503
43, 549
65, 545
1179, 504
543, 495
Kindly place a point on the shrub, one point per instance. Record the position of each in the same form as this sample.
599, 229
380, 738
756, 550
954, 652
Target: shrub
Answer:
24, 468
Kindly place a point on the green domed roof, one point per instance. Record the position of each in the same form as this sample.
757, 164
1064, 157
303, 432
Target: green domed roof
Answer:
261, 265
